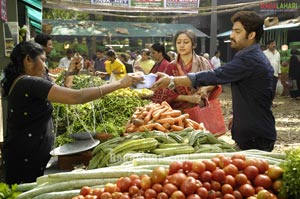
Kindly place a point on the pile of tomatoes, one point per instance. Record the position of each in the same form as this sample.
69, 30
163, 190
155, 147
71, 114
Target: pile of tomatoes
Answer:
223, 177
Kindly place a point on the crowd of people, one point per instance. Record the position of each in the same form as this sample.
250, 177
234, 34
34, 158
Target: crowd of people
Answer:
184, 79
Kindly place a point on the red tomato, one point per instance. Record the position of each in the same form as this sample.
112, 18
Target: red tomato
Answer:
146, 182
110, 187
158, 175
136, 182
218, 175
251, 172
193, 174
277, 185
241, 179
98, 191
124, 183
262, 165
175, 166
162, 195
210, 165
224, 161
90, 197
85, 190
133, 190
106, 195
150, 193
177, 179
246, 190
231, 169
229, 179
238, 156
274, 172
207, 185
215, 185
198, 167
263, 180
178, 195
239, 163
228, 196
237, 194
157, 187
205, 176
264, 194
193, 196
115, 195
169, 188
226, 188
216, 160
187, 166
188, 186
202, 192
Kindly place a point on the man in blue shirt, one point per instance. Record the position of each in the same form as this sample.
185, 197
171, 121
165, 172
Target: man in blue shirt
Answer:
251, 76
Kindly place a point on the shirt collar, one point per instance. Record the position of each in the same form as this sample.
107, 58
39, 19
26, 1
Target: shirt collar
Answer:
247, 49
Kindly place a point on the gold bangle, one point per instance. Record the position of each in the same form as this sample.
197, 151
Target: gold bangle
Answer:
100, 91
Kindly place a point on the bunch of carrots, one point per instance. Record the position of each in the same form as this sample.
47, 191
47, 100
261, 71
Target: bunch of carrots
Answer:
161, 117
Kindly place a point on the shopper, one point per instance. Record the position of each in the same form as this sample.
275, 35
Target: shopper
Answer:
251, 76
294, 74
145, 63
274, 57
64, 62
215, 60
29, 136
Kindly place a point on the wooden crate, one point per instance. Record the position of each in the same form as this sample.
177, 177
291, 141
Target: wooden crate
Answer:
70, 162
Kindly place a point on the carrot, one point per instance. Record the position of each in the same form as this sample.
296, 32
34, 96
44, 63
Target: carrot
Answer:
176, 127
166, 104
156, 115
146, 127
167, 125
159, 127
148, 116
173, 113
137, 122
195, 124
180, 120
168, 120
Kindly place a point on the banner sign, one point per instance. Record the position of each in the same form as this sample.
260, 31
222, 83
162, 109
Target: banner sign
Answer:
3, 10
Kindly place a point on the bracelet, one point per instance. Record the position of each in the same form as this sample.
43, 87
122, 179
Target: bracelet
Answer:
100, 91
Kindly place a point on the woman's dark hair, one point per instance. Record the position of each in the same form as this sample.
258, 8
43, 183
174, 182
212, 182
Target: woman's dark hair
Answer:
190, 34
159, 47
111, 53
16, 68
42, 39
251, 22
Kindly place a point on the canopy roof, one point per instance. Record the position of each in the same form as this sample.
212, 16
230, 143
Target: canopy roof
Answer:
117, 29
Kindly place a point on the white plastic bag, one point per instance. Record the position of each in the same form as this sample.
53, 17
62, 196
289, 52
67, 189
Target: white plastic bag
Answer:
279, 88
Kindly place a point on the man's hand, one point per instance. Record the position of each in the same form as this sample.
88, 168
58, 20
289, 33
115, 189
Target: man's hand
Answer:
162, 82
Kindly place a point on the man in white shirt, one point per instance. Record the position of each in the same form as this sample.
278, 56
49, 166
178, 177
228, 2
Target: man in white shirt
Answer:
274, 58
65, 61
215, 60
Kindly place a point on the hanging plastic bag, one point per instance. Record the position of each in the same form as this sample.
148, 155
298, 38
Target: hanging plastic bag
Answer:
112, 78
279, 88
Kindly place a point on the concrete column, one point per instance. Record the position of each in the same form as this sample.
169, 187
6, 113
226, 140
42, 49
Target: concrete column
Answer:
213, 30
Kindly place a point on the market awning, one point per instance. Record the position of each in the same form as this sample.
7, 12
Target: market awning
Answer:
34, 13
117, 29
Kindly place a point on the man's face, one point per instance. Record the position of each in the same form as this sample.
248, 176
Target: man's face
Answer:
272, 46
69, 55
239, 38
48, 47
99, 54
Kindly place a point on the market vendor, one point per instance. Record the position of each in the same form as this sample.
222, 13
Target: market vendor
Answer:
251, 76
29, 135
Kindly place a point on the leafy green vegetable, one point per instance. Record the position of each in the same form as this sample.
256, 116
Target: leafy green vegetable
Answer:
8, 192
291, 174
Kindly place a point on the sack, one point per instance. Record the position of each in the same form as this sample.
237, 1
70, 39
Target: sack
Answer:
210, 115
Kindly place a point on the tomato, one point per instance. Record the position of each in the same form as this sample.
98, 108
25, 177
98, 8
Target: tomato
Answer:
264, 194
229, 179
224, 161
226, 188
241, 179
205, 176
90, 197
211, 194
158, 175
136, 182
162, 195
250, 161
193, 174
230, 169
215, 185
125, 196
218, 175
133, 190
110, 187
263, 180
150, 193
187, 166
139, 197
237, 194
194, 196
198, 167
178, 195
85, 190
239, 163
115, 195
202, 192
124, 183
106, 195
169, 188
246, 190
98, 191
238, 156
207, 185
257, 189
157, 187
262, 165
146, 182
251, 172
177, 179
277, 185
228, 196
175, 166
216, 160
274, 172
210, 165
188, 186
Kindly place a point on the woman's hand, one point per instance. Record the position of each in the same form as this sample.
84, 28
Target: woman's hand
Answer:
76, 63
203, 92
131, 79
162, 82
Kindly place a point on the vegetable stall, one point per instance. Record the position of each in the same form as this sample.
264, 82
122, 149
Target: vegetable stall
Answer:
156, 152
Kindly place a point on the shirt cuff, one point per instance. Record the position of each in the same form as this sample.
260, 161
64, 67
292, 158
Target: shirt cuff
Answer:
192, 77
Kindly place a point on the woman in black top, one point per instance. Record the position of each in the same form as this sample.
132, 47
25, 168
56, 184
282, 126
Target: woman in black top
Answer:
29, 135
